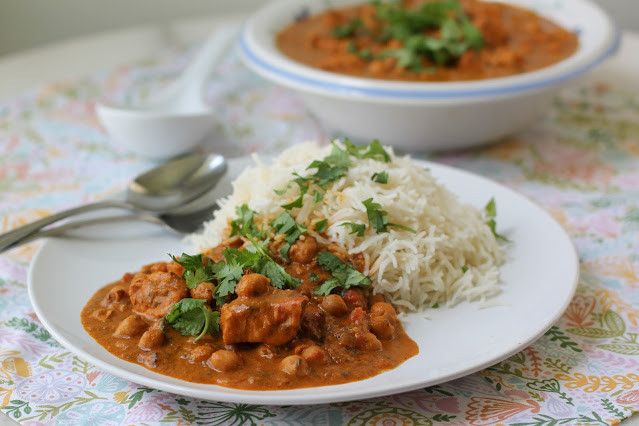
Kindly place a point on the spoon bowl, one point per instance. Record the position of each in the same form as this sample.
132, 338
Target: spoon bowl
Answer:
175, 120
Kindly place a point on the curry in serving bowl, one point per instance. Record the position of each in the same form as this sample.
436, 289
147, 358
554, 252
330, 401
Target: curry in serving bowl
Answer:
427, 40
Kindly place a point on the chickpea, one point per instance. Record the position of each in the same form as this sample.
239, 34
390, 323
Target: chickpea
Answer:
303, 251
203, 291
151, 339
333, 304
382, 327
131, 326
383, 320
383, 308
224, 361
295, 365
314, 355
201, 353
252, 285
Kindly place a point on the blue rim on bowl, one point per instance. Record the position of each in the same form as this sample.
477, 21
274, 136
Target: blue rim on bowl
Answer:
259, 52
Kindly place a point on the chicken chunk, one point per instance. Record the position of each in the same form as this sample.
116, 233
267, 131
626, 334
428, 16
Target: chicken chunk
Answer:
153, 294
272, 318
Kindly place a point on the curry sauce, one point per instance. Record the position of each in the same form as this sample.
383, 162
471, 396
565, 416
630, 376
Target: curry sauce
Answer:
504, 40
270, 338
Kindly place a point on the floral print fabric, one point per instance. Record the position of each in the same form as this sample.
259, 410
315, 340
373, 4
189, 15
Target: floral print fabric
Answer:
581, 163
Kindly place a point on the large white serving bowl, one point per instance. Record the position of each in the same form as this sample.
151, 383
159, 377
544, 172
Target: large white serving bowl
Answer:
426, 116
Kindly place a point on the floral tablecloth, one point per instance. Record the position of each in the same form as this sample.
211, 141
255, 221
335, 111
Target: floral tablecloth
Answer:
581, 163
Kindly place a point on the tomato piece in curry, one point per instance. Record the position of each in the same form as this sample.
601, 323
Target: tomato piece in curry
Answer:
485, 40
270, 338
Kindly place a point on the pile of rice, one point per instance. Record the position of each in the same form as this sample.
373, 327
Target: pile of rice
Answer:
452, 257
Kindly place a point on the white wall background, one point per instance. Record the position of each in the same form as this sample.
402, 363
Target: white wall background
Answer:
25, 24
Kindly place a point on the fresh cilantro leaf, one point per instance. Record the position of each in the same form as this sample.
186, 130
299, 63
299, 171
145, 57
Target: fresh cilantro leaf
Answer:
326, 173
490, 213
347, 30
195, 271
283, 190
381, 177
244, 224
327, 287
313, 277
338, 157
321, 225
278, 276
228, 274
490, 210
373, 150
285, 224
405, 228
297, 203
358, 228
342, 275
191, 316
456, 33
262, 263
377, 217
330, 169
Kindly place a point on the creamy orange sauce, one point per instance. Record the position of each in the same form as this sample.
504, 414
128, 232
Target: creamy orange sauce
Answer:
516, 41
332, 339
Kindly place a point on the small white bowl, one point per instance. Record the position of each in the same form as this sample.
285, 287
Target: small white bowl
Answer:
427, 116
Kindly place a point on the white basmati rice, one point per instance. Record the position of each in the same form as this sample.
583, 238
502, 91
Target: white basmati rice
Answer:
452, 257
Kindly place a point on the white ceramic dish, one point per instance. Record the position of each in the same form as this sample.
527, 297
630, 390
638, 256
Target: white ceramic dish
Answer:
538, 283
426, 116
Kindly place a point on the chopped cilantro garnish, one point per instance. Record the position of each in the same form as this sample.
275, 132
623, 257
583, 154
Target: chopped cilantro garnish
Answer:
196, 269
313, 276
321, 225
347, 30
490, 213
381, 177
358, 228
377, 217
227, 274
244, 224
285, 224
191, 317
342, 275
331, 168
373, 150
254, 257
456, 33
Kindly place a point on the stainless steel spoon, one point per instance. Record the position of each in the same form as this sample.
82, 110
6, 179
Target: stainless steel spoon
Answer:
179, 223
163, 189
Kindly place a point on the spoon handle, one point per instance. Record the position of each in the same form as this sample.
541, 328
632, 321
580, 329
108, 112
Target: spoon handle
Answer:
62, 229
8, 239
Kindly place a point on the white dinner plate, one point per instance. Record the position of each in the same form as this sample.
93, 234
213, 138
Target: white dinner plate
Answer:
538, 282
